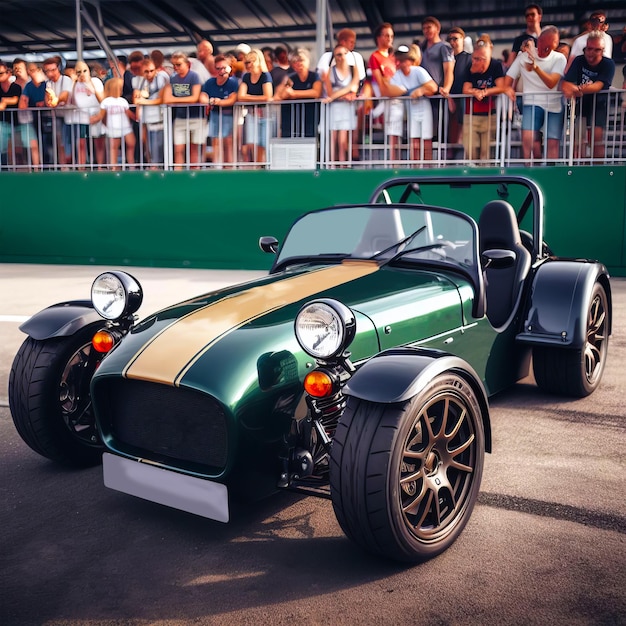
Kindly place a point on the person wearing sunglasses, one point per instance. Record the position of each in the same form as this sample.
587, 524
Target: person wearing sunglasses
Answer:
256, 89
10, 93
483, 81
597, 22
341, 82
302, 83
86, 95
416, 84
32, 97
589, 74
532, 14
189, 124
220, 93
54, 127
148, 98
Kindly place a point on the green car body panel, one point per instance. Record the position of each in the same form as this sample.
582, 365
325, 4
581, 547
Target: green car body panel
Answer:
254, 371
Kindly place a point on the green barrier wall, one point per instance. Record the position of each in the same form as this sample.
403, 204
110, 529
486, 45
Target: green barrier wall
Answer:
213, 219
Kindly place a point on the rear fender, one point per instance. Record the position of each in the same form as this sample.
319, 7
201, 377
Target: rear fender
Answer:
61, 320
559, 300
400, 374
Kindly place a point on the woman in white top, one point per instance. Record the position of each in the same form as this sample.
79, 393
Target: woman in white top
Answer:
341, 83
87, 94
116, 114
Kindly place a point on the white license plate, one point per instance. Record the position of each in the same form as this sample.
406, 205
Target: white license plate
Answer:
179, 491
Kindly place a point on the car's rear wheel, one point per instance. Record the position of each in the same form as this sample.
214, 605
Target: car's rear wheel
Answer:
577, 372
50, 401
405, 476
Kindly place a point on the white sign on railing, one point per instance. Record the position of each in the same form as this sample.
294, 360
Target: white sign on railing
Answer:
293, 154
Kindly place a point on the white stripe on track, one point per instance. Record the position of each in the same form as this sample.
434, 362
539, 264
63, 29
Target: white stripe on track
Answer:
14, 318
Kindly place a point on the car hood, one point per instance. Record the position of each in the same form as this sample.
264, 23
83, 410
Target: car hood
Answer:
225, 339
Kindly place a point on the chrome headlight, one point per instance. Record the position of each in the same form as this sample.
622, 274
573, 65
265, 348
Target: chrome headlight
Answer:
115, 295
325, 328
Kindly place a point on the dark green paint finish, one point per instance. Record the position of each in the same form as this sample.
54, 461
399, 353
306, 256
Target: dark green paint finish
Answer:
256, 370
214, 219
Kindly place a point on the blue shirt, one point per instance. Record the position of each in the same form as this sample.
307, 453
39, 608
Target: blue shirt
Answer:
214, 90
182, 88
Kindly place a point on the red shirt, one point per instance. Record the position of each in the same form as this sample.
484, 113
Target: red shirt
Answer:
386, 64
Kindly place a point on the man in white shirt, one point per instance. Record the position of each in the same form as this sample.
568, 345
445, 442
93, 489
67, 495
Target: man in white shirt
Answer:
597, 22
345, 37
204, 64
541, 69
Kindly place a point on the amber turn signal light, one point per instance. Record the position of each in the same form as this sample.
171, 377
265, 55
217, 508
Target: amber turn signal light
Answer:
103, 341
318, 384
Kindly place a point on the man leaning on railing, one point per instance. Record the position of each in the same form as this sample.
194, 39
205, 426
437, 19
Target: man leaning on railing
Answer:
541, 68
588, 75
603, 109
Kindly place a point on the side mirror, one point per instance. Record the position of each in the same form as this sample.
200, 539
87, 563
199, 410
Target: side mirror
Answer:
269, 244
498, 259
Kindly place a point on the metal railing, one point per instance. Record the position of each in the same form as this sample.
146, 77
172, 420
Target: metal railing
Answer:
310, 134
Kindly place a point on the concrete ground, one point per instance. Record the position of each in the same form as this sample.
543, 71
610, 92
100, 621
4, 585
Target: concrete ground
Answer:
546, 543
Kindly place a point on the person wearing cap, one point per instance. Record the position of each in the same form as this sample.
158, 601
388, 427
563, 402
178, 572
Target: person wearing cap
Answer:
597, 22
237, 60
241, 51
243, 48
416, 84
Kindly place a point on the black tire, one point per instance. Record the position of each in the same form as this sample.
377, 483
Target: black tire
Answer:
49, 397
388, 461
577, 372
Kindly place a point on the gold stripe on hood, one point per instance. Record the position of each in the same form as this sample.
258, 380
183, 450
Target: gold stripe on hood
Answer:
169, 355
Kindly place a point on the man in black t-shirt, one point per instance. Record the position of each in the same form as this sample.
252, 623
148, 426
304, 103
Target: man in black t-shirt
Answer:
590, 73
533, 14
9, 97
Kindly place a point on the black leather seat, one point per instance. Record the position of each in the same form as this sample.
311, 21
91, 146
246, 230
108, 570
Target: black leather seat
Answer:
504, 279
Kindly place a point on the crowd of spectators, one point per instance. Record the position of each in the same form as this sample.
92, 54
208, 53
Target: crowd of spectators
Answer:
440, 86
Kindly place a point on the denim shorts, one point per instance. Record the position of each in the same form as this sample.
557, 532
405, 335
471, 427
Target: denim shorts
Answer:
255, 130
220, 125
533, 118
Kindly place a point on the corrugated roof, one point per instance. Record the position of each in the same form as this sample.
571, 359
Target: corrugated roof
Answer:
49, 26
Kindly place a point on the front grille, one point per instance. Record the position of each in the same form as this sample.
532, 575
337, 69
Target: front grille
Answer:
163, 423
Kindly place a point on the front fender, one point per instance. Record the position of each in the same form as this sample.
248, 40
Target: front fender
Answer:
399, 374
61, 320
559, 301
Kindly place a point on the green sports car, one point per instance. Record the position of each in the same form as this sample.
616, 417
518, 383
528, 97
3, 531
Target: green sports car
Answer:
358, 369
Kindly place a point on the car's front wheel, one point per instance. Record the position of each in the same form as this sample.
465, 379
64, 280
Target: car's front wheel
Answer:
577, 372
405, 476
49, 397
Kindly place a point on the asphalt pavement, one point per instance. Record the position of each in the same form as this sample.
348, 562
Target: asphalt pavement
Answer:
546, 543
